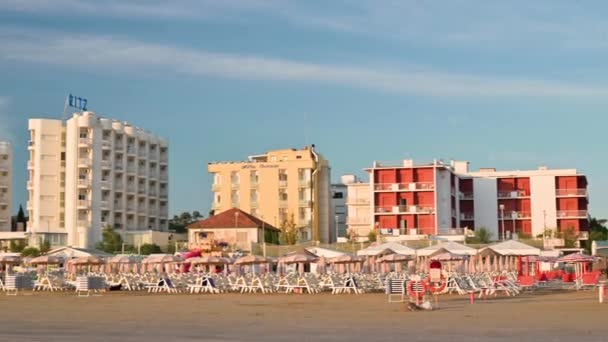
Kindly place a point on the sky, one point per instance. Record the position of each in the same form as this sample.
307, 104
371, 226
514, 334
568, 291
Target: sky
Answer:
511, 85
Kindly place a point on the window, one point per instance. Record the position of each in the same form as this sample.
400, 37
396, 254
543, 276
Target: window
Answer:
283, 195
253, 176
283, 175
234, 177
338, 194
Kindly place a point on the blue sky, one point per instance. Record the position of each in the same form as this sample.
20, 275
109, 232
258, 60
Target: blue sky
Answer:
503, 84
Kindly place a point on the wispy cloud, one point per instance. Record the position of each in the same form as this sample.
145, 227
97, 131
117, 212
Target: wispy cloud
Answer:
131, 55
517, 23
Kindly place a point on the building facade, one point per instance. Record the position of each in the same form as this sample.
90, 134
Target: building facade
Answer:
339, 192
89, 173
6, 178
276, 185
359, 216
412, 201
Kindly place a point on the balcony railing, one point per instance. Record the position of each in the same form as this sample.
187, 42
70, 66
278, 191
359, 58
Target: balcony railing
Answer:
304, 183
30, 184
84, 223
163, 177
30, 164
85, 141
105, 184
84, 203
358, 201
84, 162
30, 204
359, 220
216, 186
571, 192
421, 186
106, 164
254, 183
404, 209
104, 204
466, 195
450, 231
282, 184
512, 194
510, 215
571, 213
84, 182
119, 146
235, 186
130, 189
131, 150
141, 190
467, 216
106, 144
305, 203
31, 144
253, 203
163, 158
282, 203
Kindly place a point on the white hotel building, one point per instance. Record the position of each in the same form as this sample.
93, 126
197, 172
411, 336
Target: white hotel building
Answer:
6, 166
90, 172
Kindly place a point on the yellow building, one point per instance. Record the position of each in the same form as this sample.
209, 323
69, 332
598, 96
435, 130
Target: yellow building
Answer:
276, 185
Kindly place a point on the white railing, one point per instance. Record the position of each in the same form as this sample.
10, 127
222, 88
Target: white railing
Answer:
467, 216
282, 183
304, 183
404, 209
216, 187
419, 186
84, 182
282, 203
450, 231
509, 215
571, 192
104, 204
572, 213
512, 194
359, 220
105, 184
84, 203
83, 223
106, 144
84, 162
466, 195
85, 141
106, 164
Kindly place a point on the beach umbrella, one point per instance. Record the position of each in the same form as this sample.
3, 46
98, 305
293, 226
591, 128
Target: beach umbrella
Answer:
297, 259
161, 259
346, 259
252, 260
577, 257
46, 260
321, 264
86, 260
394, 258
447, 256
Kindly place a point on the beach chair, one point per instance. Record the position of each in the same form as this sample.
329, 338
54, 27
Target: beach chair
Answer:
163, 285
349, 286
395, 289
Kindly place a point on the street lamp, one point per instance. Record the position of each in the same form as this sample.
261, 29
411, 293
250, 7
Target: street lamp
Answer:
337, 231
513, 215
502, 218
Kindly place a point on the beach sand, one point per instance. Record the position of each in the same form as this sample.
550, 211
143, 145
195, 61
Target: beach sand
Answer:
565, 316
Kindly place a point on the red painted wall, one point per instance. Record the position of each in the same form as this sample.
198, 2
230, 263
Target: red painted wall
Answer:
387, 221
406, 176
424, 175
409, 219
425, 198
566, 182
505, 184
564, 224
567, 203
385, 176
386, 199
426, 224
526, 226
523, 184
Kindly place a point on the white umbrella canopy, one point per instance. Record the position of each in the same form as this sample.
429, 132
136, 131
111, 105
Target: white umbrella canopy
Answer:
512, 247
122, 259
450, 246
577, 257
208, 260
447, 256
298, 258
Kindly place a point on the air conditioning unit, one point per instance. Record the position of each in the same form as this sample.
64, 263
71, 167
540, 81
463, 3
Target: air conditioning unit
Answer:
413, 231
395, 232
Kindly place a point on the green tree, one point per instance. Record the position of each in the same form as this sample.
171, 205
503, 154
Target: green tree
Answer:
570, 237
372, 236
482, 235
21, 215
211, 212
111, 240
45, 246
149, 248
171, 248
30, 252
17, 246
196, 215
290, 233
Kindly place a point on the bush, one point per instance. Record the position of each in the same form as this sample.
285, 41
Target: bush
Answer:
30, 252
372, 236
111, 241
524, 236
45, 246
17, 246
149, 248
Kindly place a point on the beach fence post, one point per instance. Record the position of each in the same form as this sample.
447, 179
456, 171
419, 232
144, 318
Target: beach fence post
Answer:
471, 297
602, 291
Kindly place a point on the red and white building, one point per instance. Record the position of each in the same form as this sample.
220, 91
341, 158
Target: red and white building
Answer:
411, 201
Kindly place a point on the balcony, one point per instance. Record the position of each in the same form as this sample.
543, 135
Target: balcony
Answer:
254, 183
31, 144
515, 215
152, 175
303, 222
305, 203
469, 216
85, 142
104, 184
131, 151
253, 203
119, 146
30, 184
466, 195
118, 186
283, 203
118, 166
142, 154
235, 186
131, 189
106, 144
404, 209
30, 164
106, 164
30, 204
84, 162
282, 183
141, 190
234, 203
130, 208
84, 204
578, 214
359, 221
571, 192
421, 186
83, 224
512, 194
358, 201
163, 158
304, 183
450, 231
104, 205
163, 194
117, 206
164, 178
216, 187
152, 193
84, 183
216, 205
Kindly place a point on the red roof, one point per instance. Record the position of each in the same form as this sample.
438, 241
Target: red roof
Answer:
232, 218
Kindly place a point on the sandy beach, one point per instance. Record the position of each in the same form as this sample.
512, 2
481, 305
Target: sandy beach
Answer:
562, 316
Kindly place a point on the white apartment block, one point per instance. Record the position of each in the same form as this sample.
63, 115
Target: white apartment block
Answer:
359, 217
89, 173
6, 166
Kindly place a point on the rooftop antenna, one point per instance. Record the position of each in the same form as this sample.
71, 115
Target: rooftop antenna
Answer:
64, 115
